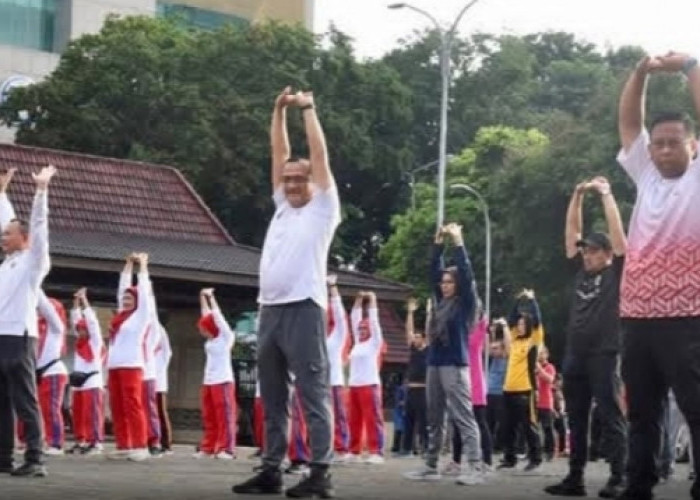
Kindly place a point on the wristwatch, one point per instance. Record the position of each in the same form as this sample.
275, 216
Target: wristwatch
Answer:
688, 65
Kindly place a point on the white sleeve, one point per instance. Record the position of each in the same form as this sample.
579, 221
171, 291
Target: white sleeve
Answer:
39, 234
75, 316
94, 331
355, 318
165, 345
326, 203
124, 283
49, 313
375, 327
636, 160
340, 328
223, 326
7, 212
144, 300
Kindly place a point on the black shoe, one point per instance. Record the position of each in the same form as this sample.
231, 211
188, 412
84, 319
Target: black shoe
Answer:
635, 495
266, 482
569, 487
76, 449
613, 488
155, 451
318, 484
30, 470
507, 464
532, 466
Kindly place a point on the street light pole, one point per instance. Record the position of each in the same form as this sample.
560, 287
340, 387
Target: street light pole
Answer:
487, 225
412, 176
446, 40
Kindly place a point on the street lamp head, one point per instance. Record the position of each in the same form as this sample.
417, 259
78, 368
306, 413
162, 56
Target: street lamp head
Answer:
400, 5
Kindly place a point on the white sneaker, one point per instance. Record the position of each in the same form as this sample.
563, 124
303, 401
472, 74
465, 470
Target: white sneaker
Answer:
224, 455
94, 449
472, 475
340, 458
353, 458
201, 454
453, 469
119, 455
139, 455
424, 474
374, 459
54, 451
488, 470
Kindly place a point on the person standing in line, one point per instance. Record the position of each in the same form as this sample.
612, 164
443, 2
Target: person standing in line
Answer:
520, 386
498, 363
150, 375
365, 394
448, 381
218, 390
416, 425
561, 426
293, 298
546, 373
86, 378
592, 359
398, 414
335, 343
125, 361
163, 354
26, 263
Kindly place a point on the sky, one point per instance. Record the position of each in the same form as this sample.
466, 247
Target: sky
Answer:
607, 23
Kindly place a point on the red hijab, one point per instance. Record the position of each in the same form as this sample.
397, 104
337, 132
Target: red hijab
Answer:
207, 324
119, 318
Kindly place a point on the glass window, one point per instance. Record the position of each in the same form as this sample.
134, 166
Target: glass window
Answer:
198, 18
28, 23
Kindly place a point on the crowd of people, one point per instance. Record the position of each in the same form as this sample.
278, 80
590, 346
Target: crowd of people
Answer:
633, 334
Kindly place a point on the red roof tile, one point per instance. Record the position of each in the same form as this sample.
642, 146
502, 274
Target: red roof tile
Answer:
394, 334
104, 195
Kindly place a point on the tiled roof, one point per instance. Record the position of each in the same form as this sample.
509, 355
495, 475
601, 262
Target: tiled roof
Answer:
394, 334
124, 197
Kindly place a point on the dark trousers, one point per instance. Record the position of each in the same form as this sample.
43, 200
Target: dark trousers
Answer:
415, 422
519, 412
494, 417
166, 428
18, 394
658, 354
561, 427
546, 418
595, 377
484, 433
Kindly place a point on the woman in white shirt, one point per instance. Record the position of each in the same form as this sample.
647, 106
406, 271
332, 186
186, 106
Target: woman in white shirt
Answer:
218, 394
163, 355
335, 343
86, 379
365, 395
54, 376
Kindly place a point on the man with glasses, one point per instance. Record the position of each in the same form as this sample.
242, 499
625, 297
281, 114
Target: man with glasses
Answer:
293, 298
660, 290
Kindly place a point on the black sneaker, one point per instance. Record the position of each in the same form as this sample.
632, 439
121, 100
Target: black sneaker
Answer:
629, 494
507, 464
266, 482
532, 467
569, 487
30, 470
155, 451
613, 488
317, 484
76, 449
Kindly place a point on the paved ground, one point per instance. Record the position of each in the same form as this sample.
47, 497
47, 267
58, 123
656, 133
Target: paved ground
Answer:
181, 477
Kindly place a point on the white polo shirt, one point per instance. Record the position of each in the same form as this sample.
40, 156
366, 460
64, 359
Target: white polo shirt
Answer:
364, 357
54, 342
163, 355
295, 252
335, 342
218, 368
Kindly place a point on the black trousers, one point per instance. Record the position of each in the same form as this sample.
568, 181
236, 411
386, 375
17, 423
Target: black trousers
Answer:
595, 377
546, 418
484, 435
415, 422
561, 428
658, 354
519, 413
166, 428
18, 395
494, 417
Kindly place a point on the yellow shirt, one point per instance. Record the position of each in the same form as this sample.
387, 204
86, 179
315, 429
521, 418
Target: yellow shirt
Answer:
520, 370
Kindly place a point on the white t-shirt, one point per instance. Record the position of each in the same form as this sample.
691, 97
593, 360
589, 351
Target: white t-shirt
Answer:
661, 278
364, 357
151, 342
81, 364
218, 368
55, 340
295, 252
335, 342
126, 349
163, 355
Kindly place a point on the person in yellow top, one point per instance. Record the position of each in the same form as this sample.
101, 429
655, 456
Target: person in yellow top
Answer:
520, 387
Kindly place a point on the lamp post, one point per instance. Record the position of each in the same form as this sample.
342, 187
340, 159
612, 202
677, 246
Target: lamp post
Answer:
487, 224
412, 177
446, 40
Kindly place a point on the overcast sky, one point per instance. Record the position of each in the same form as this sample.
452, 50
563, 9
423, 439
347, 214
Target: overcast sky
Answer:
658, 26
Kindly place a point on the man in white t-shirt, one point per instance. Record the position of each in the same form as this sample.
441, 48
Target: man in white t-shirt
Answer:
293, 299
660, 290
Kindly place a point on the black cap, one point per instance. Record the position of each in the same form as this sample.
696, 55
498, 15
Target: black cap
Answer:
595, 240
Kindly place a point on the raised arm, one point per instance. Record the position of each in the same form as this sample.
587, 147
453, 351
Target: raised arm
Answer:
225, 330
411, 308
436, 265
94, 329
574, 220
279, 138
340, 330
376, 337
318, 152
675, 62
631, 108
39, 225
356, 316
7, 212
204, 300
616, 230
144, 286
465, 274
55, 324
125, 279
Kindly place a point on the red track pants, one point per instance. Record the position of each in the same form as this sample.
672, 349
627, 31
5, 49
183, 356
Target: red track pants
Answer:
218, 418
341, 440
51, 391
150, 412
126, 400
88, 416
298, 450
366, 421
259, 423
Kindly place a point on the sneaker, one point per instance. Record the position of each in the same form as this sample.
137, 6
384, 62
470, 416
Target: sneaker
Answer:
488, 470
93, 449
613, 488
374, 459
298, 468
316, 484
569, 487
225, 455
533, 467
340, 458
507, 464
155, 452
30, 470
353, 458
473, 474
119, 455
256, 454
266, 482
54, 452
202, 454
453, 469
424, 474
139, 455
168, 452
77, 449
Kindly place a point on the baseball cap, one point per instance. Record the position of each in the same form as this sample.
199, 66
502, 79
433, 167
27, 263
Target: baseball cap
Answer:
595, 240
